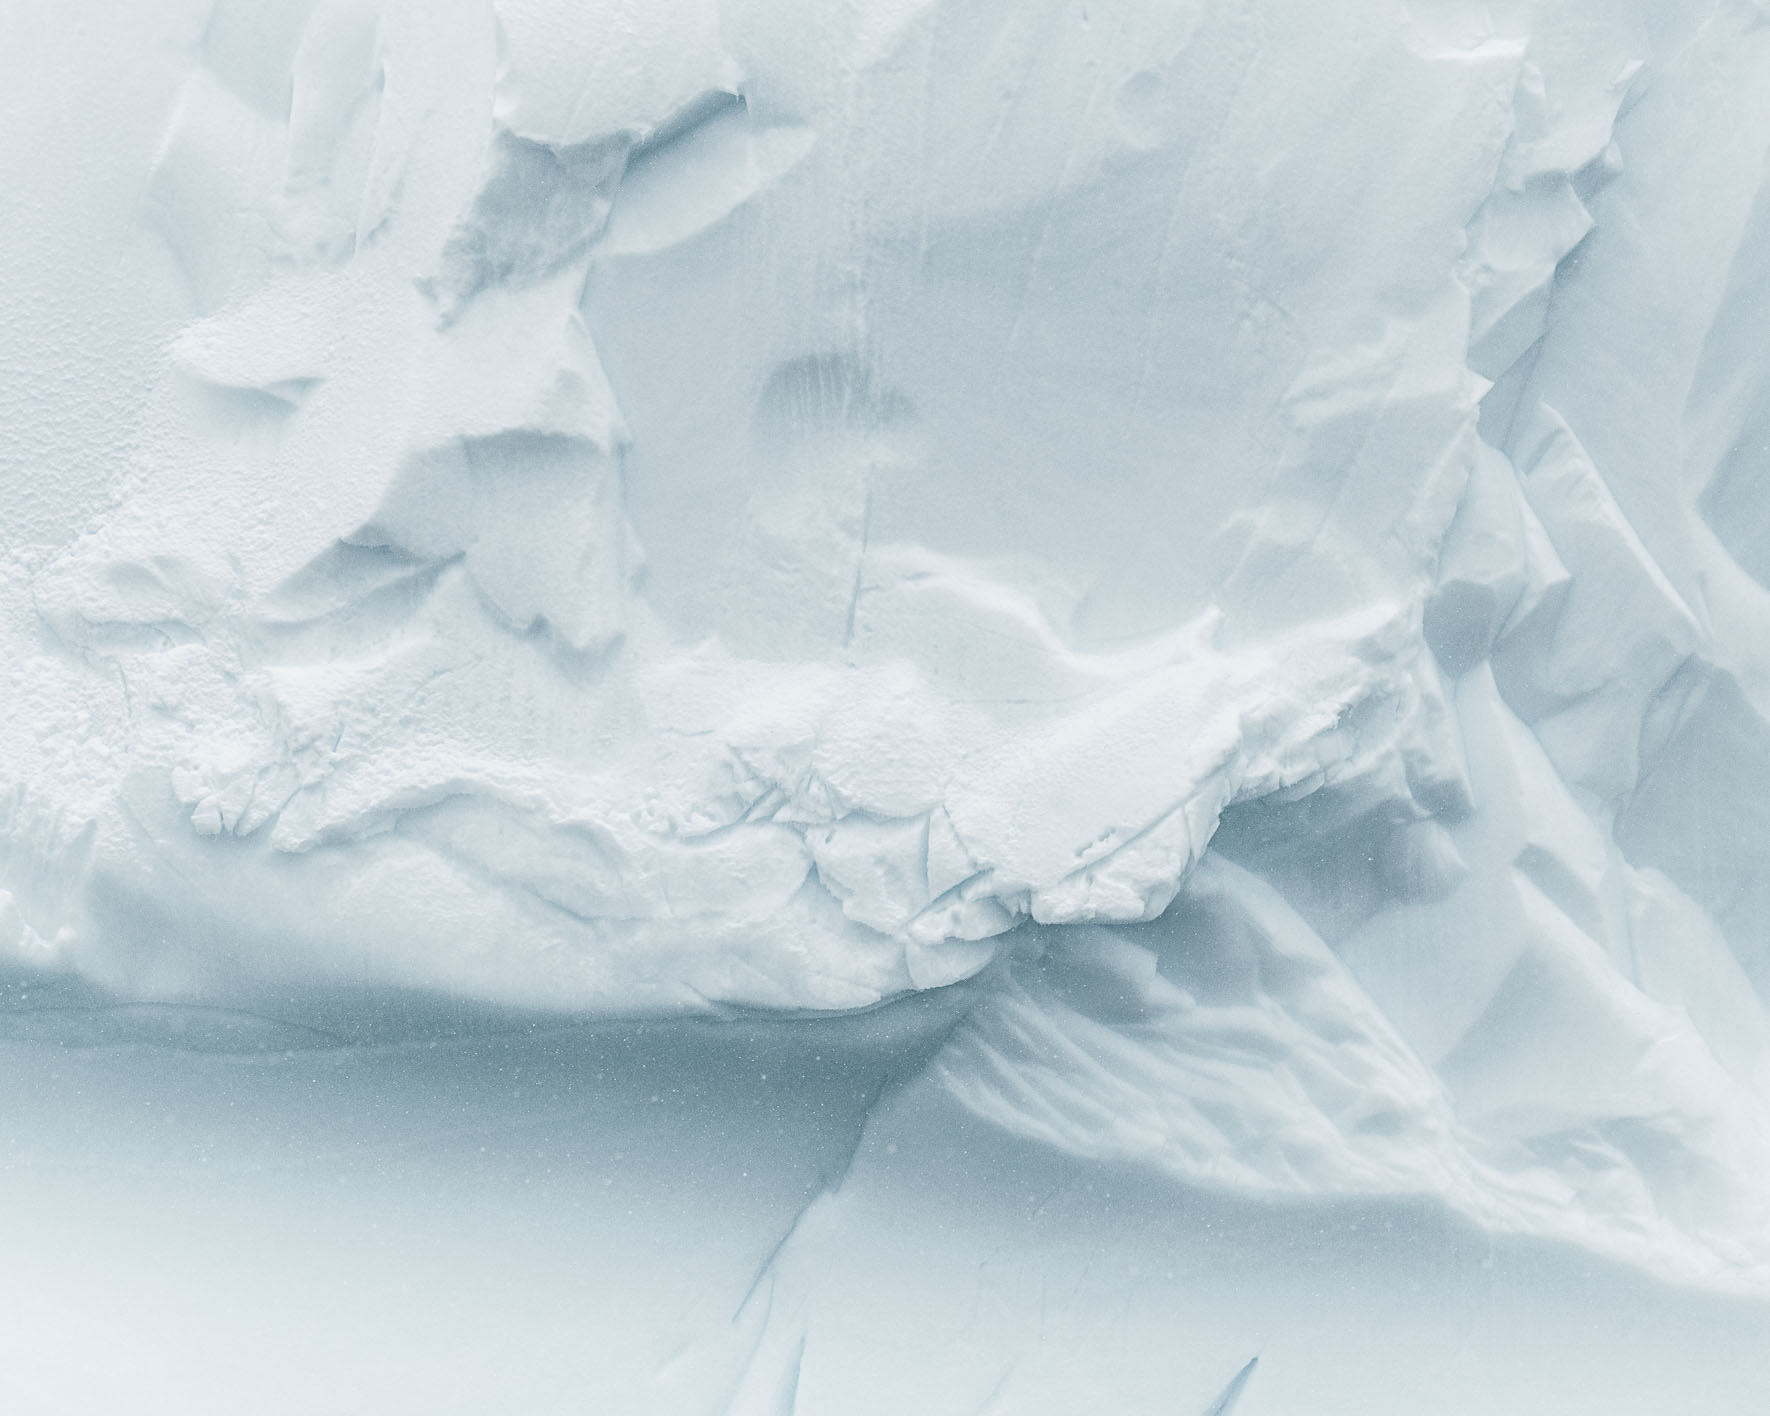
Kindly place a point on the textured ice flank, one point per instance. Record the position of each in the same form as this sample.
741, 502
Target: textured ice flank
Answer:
1234, 528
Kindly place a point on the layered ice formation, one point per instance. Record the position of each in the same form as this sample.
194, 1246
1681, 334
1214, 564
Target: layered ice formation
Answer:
1215, 548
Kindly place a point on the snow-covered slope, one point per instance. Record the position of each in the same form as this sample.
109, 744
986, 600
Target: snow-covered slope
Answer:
1236, 527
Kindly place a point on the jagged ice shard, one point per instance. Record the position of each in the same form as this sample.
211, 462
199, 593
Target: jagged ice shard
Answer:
784, 707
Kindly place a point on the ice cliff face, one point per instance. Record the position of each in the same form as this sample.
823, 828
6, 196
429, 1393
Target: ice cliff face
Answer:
1237, 526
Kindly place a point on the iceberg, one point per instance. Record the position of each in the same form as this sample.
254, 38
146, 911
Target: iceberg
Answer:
1168, 597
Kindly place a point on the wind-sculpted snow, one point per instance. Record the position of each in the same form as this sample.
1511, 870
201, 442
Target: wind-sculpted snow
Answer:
1236, 527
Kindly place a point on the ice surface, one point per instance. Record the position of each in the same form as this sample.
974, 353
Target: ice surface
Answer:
1111, 649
